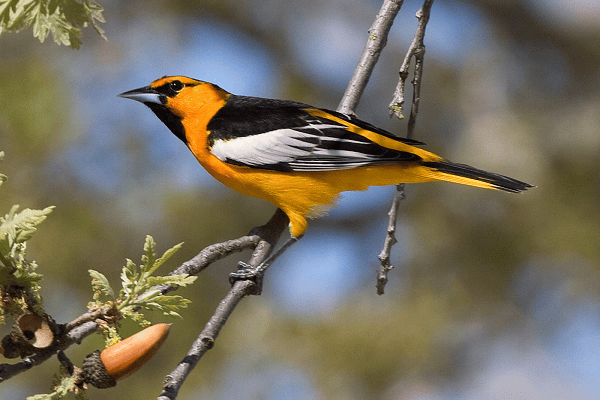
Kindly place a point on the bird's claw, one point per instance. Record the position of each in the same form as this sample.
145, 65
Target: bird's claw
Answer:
247, 272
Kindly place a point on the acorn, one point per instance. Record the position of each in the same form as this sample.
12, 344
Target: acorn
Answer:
30, 334
104, 368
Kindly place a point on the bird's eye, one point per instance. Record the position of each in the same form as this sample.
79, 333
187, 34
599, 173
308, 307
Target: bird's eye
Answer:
176, 86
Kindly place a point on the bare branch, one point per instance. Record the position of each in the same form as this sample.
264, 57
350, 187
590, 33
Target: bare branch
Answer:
377, 40
84, 325
209, 255
416, 50
263, 238
76, 335
390, 240
269, 234
205, 340
414, 109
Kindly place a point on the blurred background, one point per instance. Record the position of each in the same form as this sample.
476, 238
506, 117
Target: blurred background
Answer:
493, 295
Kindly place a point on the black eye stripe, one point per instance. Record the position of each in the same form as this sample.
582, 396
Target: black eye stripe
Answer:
171, 89
176, 86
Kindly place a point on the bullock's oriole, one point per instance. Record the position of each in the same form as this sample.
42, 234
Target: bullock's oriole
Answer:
296, 156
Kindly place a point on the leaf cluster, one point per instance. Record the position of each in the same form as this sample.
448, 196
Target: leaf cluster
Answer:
63, 18
139, 289
64, 384
20, 281
19, 285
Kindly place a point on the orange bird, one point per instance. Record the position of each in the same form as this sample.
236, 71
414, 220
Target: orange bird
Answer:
294, 155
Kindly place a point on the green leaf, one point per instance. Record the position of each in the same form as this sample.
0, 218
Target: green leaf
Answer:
9, 9
178, 280
129, 278
64, 384
149, 255
138, 285
17, 228
100, 282
94, 11
149, 260
165, 304
63, 18
41, 26
166, 255
2, 176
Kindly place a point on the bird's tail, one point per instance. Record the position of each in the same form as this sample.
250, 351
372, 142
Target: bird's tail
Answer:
467, 175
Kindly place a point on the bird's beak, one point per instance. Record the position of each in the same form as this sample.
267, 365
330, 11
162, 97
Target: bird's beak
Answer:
145, 95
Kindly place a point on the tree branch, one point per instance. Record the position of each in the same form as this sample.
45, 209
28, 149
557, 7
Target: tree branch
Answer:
75, 335
416, 50
375, 44
209, 255
269, 234
265, 237
390, 240
262, 238
84, 325
378, 35
205, 340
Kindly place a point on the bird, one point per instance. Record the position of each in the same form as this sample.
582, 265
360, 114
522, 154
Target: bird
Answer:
294, 155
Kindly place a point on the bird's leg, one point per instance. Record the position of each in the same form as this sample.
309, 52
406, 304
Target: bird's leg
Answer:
247, 271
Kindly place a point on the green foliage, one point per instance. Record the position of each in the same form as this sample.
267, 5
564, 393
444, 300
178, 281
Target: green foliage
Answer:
19, 278
16, 229
139, 286
2, 176
63, 18
20, 284
64, 383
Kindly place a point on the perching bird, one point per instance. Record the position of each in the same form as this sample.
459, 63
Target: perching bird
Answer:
296, 156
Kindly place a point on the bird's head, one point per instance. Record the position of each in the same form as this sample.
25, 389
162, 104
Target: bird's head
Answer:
175, 98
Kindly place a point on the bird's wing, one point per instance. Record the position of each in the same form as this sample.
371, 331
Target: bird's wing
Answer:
287, 136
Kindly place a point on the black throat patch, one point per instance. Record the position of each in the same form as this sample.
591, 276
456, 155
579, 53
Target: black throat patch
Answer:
172, 121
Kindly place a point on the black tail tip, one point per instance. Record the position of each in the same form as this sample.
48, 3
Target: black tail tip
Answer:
514, 186
497, 181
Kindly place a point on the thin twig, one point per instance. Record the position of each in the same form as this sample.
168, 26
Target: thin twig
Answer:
390, 240
76, 335
270, 233
84, 325
209, 255
377, 40
205, 340
65, 362
264, 238
416, 50
414, 109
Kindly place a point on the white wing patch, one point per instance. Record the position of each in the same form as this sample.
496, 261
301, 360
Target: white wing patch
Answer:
272, 147
306, 148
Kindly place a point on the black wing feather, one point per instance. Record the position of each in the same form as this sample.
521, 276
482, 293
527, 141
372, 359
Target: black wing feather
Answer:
282, 135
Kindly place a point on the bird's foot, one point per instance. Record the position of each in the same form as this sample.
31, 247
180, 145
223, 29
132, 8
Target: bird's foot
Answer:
247, 272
